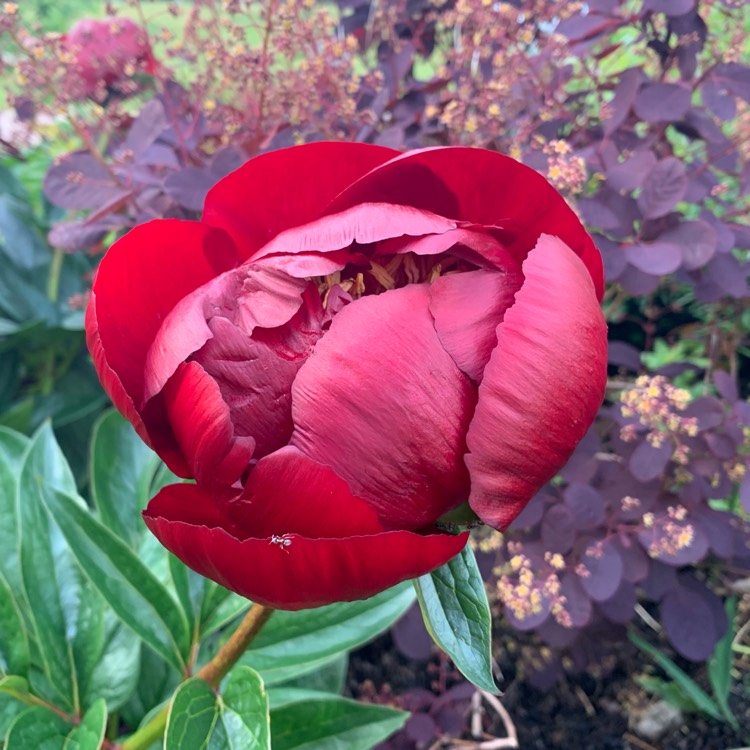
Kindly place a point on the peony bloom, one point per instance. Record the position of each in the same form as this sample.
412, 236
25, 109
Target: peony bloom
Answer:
351, 344
106, 53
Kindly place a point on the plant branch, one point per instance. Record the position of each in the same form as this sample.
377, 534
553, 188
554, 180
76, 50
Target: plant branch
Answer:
212, 673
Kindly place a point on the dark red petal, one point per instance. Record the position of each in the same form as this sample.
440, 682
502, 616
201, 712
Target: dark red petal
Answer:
139, 281
482, 187
286, 188
363, 224
289, 493
203, 429
247, 297
542, 387
468, 307
382, 403
255, 373
306, 572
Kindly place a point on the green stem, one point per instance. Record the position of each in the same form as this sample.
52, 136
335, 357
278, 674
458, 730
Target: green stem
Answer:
212, 673
55, 269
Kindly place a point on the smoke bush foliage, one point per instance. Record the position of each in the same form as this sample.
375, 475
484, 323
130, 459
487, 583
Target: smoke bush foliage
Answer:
637, 110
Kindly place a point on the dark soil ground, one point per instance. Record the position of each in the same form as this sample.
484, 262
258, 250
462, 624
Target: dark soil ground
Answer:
594, 709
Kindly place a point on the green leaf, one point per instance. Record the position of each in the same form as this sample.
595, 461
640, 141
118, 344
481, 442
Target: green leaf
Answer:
14, 645
123, 580
13, 446
190, 588
692, 690
329, 678
219, 607
89, 734
293, 643
332, 723
37, 728
122, 468
720, 666
156, 681
199, 718
51, 580
457, 615
671, 692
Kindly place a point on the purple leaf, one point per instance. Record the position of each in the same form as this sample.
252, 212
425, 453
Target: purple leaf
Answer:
604, 566
577, 600
146, 128
661, 579
715, 96
661, 542
421, 728
708, 410
745, 492
663, 188
558, 529
81, 235
657, 258
596, 214
620, 606
621, 354
586, 505
411, 637
688, 621
189, 186
648, 461
698, 241
635, 562
531, 514
625, 92
670, 7
735, 77
634, 281
613, 257
79, 182
555, 635
728, 274
629, 174
662, 102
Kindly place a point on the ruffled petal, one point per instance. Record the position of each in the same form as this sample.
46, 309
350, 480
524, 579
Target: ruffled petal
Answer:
382, 403
202, 426
286, 188
542, 387
478, 186
300, 573
468, 307
246, 297
140, 280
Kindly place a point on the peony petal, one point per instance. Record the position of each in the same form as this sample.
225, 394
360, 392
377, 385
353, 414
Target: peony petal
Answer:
139, 281
468, 307
363, 224
478, 186
203, 429
255, 373
382, 403
542, 387
247, 296
301, 574
285, 188
289, 493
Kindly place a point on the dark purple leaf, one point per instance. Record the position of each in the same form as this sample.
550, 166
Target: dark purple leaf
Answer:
661, 579
718, 525
555, 635
745, 492
620, 606
660, 542
705, 126
596, 214
689, 623
656, 258
708, 410
629, 174
531, 514
648, 461
159, 155
729, 275
722, 446
735, 77
586, 505
670, 7
613, 257
663, 188
189, 186
700, 185
634, 281
662, 102
147, 127
558, 529
583, 465
226, 160
421, 728
625, 92
621, 354
715, 96
741, 233
533, 620
604, 566
81, 235
411, 637
697, 239
635, 562
577, 600
79, 182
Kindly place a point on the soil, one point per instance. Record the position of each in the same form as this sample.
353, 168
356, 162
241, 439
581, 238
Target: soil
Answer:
596, 708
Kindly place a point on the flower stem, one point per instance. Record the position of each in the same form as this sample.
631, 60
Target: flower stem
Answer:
212, 673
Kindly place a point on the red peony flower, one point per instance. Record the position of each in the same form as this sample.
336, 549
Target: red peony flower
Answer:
351, 344
106, 52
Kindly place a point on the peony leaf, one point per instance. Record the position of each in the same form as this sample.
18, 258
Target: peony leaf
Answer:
457, 615
329, 722
238, 718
